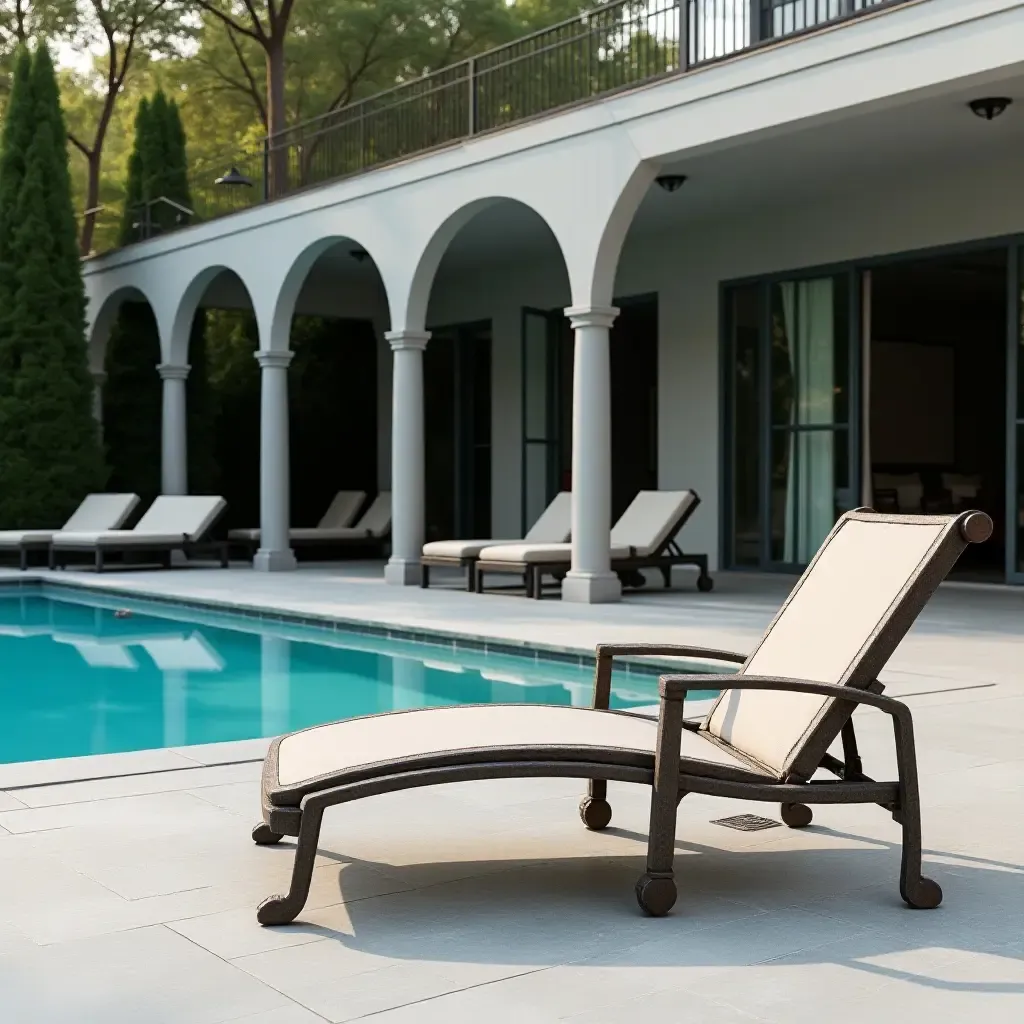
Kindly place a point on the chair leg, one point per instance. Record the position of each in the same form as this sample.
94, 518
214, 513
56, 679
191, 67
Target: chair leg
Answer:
284, 909
595, 811
264, 835
796, 815
917, 890
98, 560
424, 577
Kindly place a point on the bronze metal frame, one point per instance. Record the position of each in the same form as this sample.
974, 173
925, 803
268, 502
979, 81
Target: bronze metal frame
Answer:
298, 810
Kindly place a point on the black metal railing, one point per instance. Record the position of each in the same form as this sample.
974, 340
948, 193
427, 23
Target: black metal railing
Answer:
612, 47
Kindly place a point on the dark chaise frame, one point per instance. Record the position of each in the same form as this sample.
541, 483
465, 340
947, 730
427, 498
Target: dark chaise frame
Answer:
670, 774
669, 555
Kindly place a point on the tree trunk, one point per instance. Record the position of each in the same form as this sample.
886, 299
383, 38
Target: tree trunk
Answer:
277, 163
92, 199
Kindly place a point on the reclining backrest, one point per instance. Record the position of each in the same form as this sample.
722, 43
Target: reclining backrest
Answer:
555, 523
376, 519
190, 515
840, 624
101, 512
342, 510
652, 519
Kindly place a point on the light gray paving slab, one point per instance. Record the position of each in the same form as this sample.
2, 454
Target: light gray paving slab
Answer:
293, 1014
149, 974
93, 766
9, 802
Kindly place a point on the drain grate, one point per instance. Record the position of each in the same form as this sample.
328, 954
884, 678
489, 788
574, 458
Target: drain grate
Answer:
748, 822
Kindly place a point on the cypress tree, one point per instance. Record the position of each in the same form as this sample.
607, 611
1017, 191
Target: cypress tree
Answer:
17, 136
49, 452
131, 216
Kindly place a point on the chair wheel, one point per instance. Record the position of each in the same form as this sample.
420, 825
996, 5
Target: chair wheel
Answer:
595, 814
656, 896
796, 815
925, 895
705, 584
263, 835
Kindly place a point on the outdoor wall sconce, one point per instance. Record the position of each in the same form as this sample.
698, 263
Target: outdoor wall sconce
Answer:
671, 182
990, 107
234, 178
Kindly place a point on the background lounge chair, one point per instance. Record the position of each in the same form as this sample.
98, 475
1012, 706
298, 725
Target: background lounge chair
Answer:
174, 522
339, 515
553, 526
643, 538
97, 512
764, 738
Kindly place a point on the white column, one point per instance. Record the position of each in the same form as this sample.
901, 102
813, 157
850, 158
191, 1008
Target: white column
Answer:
275, 684
407, 458
174, 464
275, 553
590, 580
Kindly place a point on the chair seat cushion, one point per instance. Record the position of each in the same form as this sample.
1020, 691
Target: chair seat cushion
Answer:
15, 538
538, 554
461, 548
118, 539
375, 745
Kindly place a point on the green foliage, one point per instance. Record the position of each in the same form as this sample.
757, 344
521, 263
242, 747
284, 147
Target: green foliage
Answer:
17, 136
49, 451
134, 181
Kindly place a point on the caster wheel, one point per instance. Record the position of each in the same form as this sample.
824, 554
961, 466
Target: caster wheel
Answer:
705, 584
263, 836
595, 814
656, 896
634, 579
796, 815
925, 895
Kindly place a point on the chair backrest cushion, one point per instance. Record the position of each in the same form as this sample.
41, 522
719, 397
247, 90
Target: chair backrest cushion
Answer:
191, 515
101, 512
555, 523
841, 622
376, 519
342, 510
652, 520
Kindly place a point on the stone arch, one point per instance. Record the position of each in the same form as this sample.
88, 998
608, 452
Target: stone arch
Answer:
102, 316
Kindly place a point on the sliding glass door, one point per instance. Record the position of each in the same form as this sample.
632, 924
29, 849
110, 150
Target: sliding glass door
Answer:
1015, 424
790, 364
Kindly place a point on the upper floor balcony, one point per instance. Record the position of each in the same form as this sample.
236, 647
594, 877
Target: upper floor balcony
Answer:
614, 47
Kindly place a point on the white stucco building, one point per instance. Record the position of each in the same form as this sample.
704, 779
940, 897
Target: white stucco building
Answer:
826, 312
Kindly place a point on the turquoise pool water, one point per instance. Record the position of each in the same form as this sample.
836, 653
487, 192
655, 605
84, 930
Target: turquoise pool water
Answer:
75, 678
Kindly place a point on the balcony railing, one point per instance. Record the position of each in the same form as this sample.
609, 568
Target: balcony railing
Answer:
613, 47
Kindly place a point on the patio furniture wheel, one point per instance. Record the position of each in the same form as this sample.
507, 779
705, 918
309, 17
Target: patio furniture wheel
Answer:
705, 584
923, 895
277, 910
796, 815
263, 835
595, 814
633, 578
656, 896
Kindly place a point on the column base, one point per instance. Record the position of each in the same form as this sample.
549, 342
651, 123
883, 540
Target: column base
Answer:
400, 572
591, 588
274, 561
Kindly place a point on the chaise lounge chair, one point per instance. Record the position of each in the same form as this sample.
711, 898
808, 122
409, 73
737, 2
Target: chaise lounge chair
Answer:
97, 512
174, 522
553, 527
339, 515
373, 527
643, 538
763, 739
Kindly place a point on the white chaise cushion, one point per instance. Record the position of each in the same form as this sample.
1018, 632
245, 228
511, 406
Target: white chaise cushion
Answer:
533, 554
651, 518
461, 548
190, 515
102, 512
555, 523
342, 510
351, 745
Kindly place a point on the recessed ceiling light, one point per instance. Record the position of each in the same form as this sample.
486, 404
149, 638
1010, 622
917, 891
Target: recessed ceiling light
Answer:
990, 107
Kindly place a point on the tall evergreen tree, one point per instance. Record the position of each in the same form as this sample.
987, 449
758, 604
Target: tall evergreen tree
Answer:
131, 215
49, 451
17, 136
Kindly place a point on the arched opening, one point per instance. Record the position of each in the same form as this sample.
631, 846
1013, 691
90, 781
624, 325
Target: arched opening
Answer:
339, 418
124, 354
497, 376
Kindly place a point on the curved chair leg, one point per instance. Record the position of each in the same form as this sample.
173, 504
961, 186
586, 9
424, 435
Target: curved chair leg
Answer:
284, 909
595, 811
264, 835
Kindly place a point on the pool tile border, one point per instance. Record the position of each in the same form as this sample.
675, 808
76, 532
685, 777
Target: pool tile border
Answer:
453, 642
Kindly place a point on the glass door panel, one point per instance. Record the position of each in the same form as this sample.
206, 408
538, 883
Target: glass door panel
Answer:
1015, 415
541, 414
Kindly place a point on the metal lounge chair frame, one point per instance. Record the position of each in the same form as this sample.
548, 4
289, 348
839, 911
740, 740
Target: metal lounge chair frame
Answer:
671, 774
668, 555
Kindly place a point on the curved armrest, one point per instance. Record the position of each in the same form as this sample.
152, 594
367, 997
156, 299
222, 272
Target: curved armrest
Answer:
675, 688
668, 650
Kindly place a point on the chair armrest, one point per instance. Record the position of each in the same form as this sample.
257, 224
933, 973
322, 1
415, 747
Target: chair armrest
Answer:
606, 653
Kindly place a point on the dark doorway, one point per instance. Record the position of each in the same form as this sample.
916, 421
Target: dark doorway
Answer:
457, 413
937, 436
547, 404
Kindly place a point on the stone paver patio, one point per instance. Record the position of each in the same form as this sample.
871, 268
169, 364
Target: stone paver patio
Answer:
129, 881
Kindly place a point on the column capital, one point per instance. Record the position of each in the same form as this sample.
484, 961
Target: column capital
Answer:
591, 316
173, 371
272, 359
399, 340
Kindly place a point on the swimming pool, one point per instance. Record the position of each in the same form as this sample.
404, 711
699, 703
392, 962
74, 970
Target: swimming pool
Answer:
76, 678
